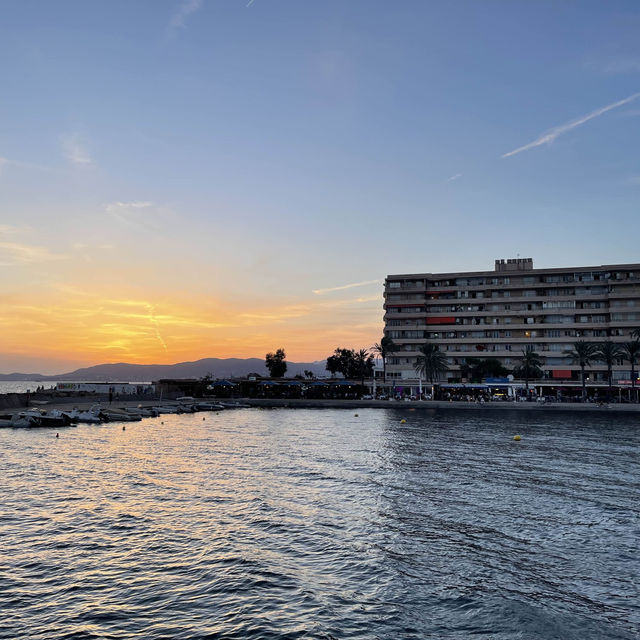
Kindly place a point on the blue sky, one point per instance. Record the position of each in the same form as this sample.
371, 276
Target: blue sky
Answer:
247, 154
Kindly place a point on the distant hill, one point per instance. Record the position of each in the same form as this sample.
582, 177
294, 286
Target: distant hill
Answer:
125, 372
22, 376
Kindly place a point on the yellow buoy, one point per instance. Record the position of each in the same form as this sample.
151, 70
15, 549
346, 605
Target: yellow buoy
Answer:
516, 437
403, 421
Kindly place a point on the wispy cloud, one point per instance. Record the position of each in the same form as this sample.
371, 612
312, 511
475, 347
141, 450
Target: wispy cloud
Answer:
551, 135
13, 253
74, 149
623, 65
455, 177
321, 292
6, 229
130, 212
5, 162
182, 12
286, 313
115, 207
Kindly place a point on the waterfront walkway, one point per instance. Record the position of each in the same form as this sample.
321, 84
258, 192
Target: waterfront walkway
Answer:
84, 402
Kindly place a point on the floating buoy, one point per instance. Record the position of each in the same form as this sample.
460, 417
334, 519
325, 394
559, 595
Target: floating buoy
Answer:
403, 421
162, 423
123, 428
203, 418
355, 414
516, 438
57, 435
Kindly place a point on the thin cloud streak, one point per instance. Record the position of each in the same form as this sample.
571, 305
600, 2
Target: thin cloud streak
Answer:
452, 178
184, 10
74, 150
551, 136
26, 254
321, 292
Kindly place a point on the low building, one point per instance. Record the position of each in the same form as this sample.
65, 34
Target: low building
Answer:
117, 388
496, 314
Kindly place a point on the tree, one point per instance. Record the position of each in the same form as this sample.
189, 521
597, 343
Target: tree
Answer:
431, 362
308, 374
608, 352
276, 364
631, 355
479, 368
529, 367
363, 364
341, 362
384, 349
583, 353
351, 363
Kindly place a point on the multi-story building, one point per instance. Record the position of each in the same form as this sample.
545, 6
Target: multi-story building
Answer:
495, 314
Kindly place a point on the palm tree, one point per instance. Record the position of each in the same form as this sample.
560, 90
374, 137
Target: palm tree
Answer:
384, 349
583, 353
363, 362
608, 352
631, 354
530, 364
431, 362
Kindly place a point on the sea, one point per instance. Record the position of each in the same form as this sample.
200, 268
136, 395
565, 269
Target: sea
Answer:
22, 386
323, 524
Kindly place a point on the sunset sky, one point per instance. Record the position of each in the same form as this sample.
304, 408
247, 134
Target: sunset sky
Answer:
183, 179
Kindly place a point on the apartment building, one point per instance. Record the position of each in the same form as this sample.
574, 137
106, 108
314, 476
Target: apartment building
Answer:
495, 314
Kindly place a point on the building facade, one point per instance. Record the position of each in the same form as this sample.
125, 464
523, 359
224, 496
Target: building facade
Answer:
495, 314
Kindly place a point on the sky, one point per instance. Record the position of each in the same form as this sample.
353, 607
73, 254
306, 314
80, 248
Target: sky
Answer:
183, 179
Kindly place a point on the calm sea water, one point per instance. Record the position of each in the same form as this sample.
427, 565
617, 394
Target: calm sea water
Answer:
22, 386
320, 524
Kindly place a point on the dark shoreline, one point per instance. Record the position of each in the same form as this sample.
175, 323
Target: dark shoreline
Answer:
17, 401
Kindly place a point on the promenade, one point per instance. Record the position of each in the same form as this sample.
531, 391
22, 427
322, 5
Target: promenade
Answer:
84, 402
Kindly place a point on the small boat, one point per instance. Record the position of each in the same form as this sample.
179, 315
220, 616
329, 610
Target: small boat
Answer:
18, 420
235, 405
143, 412
166, 409
115, 415
91, 416
44, 419
186, 408
209, 406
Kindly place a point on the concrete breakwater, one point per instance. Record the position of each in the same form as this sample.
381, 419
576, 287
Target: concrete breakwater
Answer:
18, 401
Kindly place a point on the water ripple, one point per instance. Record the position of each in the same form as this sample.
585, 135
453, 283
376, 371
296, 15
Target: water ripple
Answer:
317, 524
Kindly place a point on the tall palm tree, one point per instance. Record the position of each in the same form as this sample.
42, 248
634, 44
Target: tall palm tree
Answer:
384, 349
530, 364
608, 352
363, 361
631, 355
583, 353
431, 362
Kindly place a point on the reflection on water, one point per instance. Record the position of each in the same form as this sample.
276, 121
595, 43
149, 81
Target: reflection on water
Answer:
321, 524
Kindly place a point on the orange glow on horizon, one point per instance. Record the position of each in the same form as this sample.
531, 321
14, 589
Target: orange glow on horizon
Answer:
78, 324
